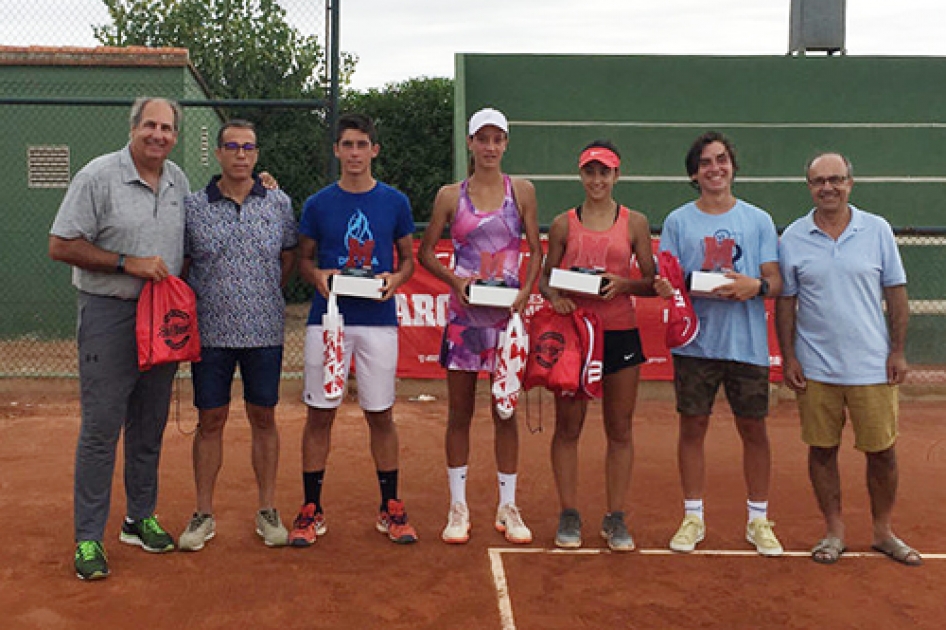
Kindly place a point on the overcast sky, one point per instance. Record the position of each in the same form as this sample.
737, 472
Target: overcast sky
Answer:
396, 40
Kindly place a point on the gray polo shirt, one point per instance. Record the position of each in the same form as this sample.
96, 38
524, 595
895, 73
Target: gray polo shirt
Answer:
110, 205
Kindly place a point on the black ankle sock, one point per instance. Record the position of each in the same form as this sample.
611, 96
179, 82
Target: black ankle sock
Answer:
312, 486
387, 480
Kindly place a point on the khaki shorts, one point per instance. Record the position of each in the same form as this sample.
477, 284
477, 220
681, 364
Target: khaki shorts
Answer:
872, 409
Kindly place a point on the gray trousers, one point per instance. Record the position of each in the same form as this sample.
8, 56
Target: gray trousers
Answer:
115, 395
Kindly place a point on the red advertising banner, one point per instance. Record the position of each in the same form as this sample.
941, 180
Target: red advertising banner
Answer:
422, 314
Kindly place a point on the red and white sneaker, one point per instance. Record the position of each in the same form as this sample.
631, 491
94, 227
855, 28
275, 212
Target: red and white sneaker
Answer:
393, 522
307, 527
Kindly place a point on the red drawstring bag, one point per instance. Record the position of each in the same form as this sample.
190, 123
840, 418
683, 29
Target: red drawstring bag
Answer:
682, 323
564, 360
166, 326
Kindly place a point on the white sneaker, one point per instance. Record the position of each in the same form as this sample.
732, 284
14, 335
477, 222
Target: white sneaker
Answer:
509, 522
270, 528
692, 531
457, 530
759, 533
200, 529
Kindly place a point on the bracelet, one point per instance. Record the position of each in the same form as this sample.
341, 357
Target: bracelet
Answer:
120, 265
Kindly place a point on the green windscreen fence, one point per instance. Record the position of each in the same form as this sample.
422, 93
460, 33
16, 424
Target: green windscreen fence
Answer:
885, 114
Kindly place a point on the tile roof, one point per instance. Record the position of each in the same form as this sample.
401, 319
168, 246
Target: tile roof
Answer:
142, 56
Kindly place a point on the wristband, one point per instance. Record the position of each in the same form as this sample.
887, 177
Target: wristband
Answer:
120, 265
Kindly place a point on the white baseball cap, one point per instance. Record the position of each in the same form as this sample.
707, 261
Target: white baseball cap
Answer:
488, 116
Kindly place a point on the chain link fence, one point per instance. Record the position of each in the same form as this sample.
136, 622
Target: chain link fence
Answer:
64, 100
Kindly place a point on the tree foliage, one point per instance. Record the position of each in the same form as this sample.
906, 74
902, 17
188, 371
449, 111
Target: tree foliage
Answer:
246, 49
415, 127
242, 48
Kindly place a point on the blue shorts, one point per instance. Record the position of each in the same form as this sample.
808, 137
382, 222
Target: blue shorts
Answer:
260, 369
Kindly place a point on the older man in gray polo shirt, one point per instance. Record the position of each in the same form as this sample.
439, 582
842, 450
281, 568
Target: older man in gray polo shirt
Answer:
121, 223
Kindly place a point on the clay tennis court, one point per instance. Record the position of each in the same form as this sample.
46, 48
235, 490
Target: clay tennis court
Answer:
355, 578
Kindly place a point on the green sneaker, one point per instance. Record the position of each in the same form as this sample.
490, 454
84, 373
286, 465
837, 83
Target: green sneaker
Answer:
148, 534
91, 563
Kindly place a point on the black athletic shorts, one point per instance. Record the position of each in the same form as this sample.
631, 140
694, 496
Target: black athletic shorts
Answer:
622, 348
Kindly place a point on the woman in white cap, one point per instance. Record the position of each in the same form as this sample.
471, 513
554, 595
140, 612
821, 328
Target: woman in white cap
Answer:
487, 214
601, 235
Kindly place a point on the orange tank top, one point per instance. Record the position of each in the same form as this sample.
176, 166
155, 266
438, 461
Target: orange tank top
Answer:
610, 249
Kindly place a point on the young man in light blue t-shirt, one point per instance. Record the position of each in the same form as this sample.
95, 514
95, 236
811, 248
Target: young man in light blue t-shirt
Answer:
721, 234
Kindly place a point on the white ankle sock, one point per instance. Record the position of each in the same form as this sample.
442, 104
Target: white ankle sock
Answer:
457, 478
694, 507
507, 488
757, 509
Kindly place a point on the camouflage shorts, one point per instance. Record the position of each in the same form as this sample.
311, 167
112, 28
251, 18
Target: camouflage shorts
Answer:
696, 382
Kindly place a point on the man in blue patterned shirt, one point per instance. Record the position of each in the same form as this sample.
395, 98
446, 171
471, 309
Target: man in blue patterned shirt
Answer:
240, 241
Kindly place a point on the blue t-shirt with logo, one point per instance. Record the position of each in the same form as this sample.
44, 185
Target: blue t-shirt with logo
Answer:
741, 239
357, 230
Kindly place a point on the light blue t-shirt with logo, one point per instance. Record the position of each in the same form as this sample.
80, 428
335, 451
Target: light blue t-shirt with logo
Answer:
841, 333
356, 230
741, 239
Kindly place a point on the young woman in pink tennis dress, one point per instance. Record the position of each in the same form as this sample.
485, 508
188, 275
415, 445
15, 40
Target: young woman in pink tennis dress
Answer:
487, 214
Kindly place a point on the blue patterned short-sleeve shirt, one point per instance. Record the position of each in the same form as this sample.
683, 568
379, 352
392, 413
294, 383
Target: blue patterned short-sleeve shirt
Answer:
235, 264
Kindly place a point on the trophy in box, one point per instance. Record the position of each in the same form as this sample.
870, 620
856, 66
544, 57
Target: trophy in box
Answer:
586, 280
357, 282
492, 292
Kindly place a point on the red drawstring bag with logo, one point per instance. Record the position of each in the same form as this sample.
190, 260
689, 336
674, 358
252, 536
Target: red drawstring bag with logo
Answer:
166, 326
566, 353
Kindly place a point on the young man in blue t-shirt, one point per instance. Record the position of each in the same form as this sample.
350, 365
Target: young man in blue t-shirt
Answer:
722, 234
357, 222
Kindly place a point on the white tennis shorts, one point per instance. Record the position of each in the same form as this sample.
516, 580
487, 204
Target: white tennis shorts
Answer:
374, 349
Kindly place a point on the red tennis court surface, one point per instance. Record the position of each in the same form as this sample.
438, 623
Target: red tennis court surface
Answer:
355, 578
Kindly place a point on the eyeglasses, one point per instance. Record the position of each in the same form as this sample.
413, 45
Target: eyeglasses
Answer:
834, 180
233, 147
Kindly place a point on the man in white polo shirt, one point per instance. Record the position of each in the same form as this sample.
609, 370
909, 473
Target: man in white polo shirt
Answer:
842, 358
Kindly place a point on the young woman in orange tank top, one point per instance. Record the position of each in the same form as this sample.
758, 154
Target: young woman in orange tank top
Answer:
603, 235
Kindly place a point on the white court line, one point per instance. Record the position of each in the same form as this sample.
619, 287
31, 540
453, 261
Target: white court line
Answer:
502, 587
